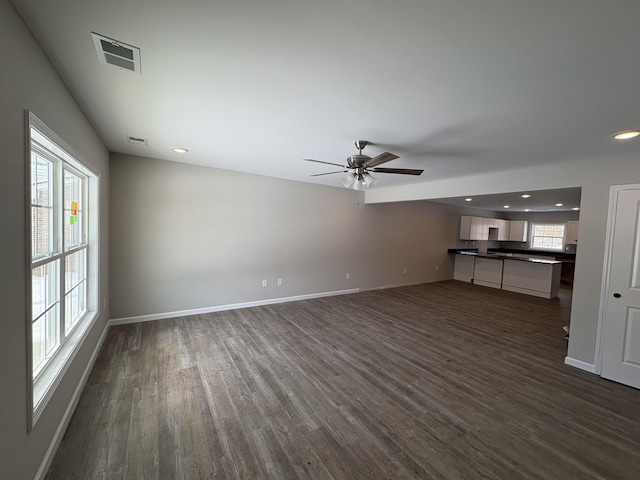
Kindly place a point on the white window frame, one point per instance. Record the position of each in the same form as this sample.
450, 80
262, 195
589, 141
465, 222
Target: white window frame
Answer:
43, 382
550, 224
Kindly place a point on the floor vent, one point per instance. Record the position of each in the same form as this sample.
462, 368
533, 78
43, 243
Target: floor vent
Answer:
137, 140
116, 53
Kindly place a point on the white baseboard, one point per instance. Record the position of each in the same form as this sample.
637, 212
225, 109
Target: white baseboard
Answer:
221, 308
587, 367
66, 418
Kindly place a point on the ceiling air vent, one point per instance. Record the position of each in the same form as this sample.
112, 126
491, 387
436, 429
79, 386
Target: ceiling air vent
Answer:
116, 53
137, 140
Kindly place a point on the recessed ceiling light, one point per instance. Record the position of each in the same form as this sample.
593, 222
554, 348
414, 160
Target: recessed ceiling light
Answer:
468, 199
507, 206
626, 135
576, 208
527, 209
180, 150
525, 195
559, 204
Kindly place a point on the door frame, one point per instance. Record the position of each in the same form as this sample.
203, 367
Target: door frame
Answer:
614, 190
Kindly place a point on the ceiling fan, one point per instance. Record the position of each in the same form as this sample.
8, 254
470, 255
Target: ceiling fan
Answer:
359, 168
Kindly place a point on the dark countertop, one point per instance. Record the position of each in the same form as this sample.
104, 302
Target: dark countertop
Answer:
506, 256
542, 253
558, 255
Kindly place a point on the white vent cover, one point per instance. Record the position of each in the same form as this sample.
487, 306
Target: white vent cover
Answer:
116, 53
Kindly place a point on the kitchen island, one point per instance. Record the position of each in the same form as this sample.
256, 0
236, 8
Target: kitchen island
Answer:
521, 274
532, 276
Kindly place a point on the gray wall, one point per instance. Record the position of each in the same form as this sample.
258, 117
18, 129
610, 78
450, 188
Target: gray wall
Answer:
29, 81
187, 237
595, 176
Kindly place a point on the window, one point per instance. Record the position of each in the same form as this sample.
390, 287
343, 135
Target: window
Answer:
547, 236
63, 300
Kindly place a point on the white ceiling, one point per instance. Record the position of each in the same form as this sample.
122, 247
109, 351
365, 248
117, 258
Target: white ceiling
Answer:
453, 87
538, 201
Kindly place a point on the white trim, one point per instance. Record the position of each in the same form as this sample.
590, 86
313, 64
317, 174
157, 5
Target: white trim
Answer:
231, 306
66, 418
606, 269
587, 367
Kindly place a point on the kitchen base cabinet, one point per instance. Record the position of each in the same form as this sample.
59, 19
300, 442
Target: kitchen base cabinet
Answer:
532, 278
463, 268
488, 272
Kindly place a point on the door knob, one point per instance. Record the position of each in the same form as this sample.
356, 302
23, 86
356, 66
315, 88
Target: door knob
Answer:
616, 295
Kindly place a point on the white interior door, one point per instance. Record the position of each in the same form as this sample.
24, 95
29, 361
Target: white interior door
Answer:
621, 323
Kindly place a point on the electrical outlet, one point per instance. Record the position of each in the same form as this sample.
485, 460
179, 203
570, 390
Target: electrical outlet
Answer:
404, 271
437, 266
279, 282
264, 283
348, 276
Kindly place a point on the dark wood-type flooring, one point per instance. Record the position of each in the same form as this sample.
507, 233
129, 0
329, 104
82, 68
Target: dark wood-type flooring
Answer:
437, 381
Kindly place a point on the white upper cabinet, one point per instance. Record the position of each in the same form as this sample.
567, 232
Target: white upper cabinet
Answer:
503, 230
518, 230
481, 228
473, 228
572, 233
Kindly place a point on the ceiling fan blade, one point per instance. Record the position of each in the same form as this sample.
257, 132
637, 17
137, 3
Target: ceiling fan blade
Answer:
328, 173
380, 159
403, 171
328, 163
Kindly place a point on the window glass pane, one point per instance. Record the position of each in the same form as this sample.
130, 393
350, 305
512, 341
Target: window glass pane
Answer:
41, 206
75, 288
74, 269
44, 290
45, 307
73, 209
51, 329
37, 338
75, 306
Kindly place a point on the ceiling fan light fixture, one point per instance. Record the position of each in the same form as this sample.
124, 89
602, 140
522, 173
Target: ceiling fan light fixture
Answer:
368, 180
359, 182
349, 180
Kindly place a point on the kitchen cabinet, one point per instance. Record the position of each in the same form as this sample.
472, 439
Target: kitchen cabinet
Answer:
474, 228
572, 233
488, 272
463, 267
503, 230
538, 278
481, 228
518, 230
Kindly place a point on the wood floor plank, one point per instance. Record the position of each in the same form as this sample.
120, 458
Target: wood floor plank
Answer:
438, 381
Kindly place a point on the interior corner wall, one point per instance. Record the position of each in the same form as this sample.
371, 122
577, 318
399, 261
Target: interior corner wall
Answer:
30, 82
187, 237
